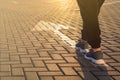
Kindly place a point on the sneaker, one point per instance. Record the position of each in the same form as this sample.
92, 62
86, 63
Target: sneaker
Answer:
82, 46
95, 57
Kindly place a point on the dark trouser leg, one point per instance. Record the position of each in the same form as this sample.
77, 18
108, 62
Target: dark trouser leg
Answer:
100, 3
89, 11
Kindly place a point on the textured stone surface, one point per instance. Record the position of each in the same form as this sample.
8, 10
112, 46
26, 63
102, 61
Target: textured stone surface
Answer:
37, 37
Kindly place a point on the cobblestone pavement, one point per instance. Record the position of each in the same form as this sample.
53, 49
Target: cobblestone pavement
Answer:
37, 40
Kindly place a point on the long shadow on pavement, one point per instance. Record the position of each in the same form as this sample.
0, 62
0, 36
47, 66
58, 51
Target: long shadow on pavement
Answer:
90, 71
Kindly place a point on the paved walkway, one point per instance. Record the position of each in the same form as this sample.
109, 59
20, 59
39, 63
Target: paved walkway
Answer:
37, 40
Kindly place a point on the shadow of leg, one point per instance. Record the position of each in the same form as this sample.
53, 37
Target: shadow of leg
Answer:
91, 72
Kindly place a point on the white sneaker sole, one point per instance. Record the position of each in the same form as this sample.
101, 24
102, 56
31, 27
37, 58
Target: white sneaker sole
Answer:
100, 61
82, 50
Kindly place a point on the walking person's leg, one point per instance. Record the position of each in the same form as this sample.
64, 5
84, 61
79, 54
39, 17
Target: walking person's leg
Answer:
91, 31
100, 3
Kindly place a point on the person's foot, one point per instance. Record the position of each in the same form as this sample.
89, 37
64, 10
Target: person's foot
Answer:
82, 46
95, 57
